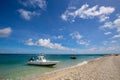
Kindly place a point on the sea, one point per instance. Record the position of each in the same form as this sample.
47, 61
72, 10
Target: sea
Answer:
14, 66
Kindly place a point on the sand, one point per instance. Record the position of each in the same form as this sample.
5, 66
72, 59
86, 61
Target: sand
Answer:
105, 68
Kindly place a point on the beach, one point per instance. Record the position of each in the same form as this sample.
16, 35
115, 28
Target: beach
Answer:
14, 66
104, 68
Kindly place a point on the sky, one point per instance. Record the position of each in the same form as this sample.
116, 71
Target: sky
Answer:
60, 26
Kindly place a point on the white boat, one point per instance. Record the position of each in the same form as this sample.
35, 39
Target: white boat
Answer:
41, 61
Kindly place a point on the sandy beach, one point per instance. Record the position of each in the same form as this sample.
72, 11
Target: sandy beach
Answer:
105, 68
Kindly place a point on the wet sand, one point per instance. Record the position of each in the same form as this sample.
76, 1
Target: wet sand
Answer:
105, 68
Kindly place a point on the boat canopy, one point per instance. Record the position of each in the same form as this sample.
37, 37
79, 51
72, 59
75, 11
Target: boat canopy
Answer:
42, 58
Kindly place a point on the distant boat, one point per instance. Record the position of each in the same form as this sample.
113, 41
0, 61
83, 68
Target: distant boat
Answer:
41, 61
73, 57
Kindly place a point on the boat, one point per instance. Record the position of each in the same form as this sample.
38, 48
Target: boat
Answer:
41, 61
73, 57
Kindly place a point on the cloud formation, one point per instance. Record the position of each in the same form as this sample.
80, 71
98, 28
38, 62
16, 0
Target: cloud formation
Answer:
86, 12
5, 32
58, 37
76, 35
41, 4
46, 43
113, 25
109, 49
116, 36
30, 42
36, 6
107, 33
27, 14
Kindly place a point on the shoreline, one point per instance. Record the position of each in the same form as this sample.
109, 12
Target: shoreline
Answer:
73, 66
25, 72
106, 67
36, 77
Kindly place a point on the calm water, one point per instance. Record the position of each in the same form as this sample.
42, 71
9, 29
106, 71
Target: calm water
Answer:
14, 67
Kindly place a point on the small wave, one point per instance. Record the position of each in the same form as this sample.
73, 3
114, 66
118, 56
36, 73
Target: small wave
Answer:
79, 64
84, 62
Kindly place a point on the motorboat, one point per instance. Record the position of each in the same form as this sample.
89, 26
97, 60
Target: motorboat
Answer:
41, 61
73, 57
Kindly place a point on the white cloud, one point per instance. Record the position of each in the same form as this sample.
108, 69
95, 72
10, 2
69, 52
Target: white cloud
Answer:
85, 12
34, 3
116, 24
112, 25
107, 25
58, 37
72, 7
99, 50
64, 17
103, 18
82, 42
76, 35
109, 49
30, 42
108, 42
5, 32
36, 6
107, 33
46, 43
27, 14
116, 36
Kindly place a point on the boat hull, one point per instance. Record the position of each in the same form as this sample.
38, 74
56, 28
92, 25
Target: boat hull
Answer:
39, 63
73, 57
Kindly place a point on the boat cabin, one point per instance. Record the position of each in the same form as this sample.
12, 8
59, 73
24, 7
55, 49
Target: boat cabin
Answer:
42, 58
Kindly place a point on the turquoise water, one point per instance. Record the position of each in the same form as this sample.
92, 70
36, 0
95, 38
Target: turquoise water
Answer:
14, 67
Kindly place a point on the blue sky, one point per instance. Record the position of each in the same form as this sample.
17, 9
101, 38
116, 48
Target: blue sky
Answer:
60, 26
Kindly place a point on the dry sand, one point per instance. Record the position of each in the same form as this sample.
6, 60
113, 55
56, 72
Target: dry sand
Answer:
105, 68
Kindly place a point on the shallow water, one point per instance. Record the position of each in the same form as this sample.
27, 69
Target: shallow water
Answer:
14, 67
